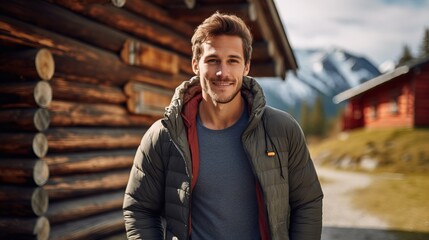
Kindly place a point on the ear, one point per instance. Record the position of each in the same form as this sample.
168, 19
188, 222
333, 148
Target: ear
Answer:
195, 66
246, 69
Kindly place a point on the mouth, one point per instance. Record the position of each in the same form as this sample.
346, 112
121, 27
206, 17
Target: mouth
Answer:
222, 83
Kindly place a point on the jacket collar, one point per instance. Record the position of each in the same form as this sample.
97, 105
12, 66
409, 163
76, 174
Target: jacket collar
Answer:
188, 94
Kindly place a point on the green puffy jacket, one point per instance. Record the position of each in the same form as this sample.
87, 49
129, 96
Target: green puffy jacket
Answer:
159, 191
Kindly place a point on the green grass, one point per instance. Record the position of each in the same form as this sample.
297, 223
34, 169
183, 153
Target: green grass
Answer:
403, 203
395, 150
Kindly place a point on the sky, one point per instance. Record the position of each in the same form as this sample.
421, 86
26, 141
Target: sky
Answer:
375, 29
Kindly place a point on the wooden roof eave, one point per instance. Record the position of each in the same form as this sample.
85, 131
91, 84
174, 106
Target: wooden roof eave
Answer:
272, 28
352, 92
260, 13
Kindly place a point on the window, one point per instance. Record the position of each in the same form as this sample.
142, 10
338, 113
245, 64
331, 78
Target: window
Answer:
394, 106
357, 114
394, 102
373, 109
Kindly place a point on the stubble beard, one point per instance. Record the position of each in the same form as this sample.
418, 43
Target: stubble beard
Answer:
218, 99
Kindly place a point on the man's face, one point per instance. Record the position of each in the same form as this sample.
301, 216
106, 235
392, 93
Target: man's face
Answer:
221, 68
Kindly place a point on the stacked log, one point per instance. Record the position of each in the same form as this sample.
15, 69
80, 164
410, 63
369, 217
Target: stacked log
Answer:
90, 166
25, 94
80, 82
68, 137
24, 228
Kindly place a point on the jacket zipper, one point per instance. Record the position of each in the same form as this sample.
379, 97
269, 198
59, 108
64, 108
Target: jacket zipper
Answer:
187, 173
256, 176
190, 185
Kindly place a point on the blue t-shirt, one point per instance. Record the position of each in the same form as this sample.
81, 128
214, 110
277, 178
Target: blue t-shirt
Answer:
224, 204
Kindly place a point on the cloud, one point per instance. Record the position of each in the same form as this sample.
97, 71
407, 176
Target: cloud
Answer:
376, 29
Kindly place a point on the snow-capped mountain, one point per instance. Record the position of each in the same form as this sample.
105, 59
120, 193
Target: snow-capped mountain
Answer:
321, 72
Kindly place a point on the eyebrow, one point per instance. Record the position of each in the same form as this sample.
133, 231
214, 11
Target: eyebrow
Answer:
229, 56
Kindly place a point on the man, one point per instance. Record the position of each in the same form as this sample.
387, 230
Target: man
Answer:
222, 164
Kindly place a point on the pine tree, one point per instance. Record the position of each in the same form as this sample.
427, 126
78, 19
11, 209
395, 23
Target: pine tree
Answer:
406, 56
318, 118
424, 48
304, 118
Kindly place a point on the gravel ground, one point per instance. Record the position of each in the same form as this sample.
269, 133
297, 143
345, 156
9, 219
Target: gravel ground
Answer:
343, 221
337, 208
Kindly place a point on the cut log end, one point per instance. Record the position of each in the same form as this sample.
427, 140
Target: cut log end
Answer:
42, 228
252, 13
40, 145
42, 119
39, 201
45, 64
190, 3
118, 3
41, 173
43, 94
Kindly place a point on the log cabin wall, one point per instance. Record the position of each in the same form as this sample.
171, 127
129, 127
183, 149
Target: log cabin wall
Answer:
421, 88
391, 105
80, 83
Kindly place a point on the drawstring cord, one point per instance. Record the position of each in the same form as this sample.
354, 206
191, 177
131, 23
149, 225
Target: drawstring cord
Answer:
269, 151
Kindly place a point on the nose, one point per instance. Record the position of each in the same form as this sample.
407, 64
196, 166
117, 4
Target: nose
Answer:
222, 70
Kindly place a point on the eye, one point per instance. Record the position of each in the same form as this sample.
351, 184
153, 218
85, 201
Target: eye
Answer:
234, 61
212, 61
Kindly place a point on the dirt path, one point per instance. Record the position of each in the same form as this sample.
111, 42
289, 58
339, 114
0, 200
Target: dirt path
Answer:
340, 219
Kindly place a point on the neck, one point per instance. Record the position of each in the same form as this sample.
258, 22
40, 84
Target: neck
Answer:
217, 116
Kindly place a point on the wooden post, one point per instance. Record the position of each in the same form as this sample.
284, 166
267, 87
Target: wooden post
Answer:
95, 227
23, 144
24, 119
67, 114
93, 162
74, 186
79, 139
31, 63
79, 208
24, 172
25, 94
23, 202
24, 228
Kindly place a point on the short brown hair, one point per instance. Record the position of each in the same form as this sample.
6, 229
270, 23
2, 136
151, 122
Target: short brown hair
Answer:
222, 24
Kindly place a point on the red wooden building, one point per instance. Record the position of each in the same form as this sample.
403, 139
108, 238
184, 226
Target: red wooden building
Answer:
399, 98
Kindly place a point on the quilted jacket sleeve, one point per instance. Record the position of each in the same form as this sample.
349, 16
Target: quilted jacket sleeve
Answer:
305, 190
144, 195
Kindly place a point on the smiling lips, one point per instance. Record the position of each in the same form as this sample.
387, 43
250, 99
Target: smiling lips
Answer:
222, 83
